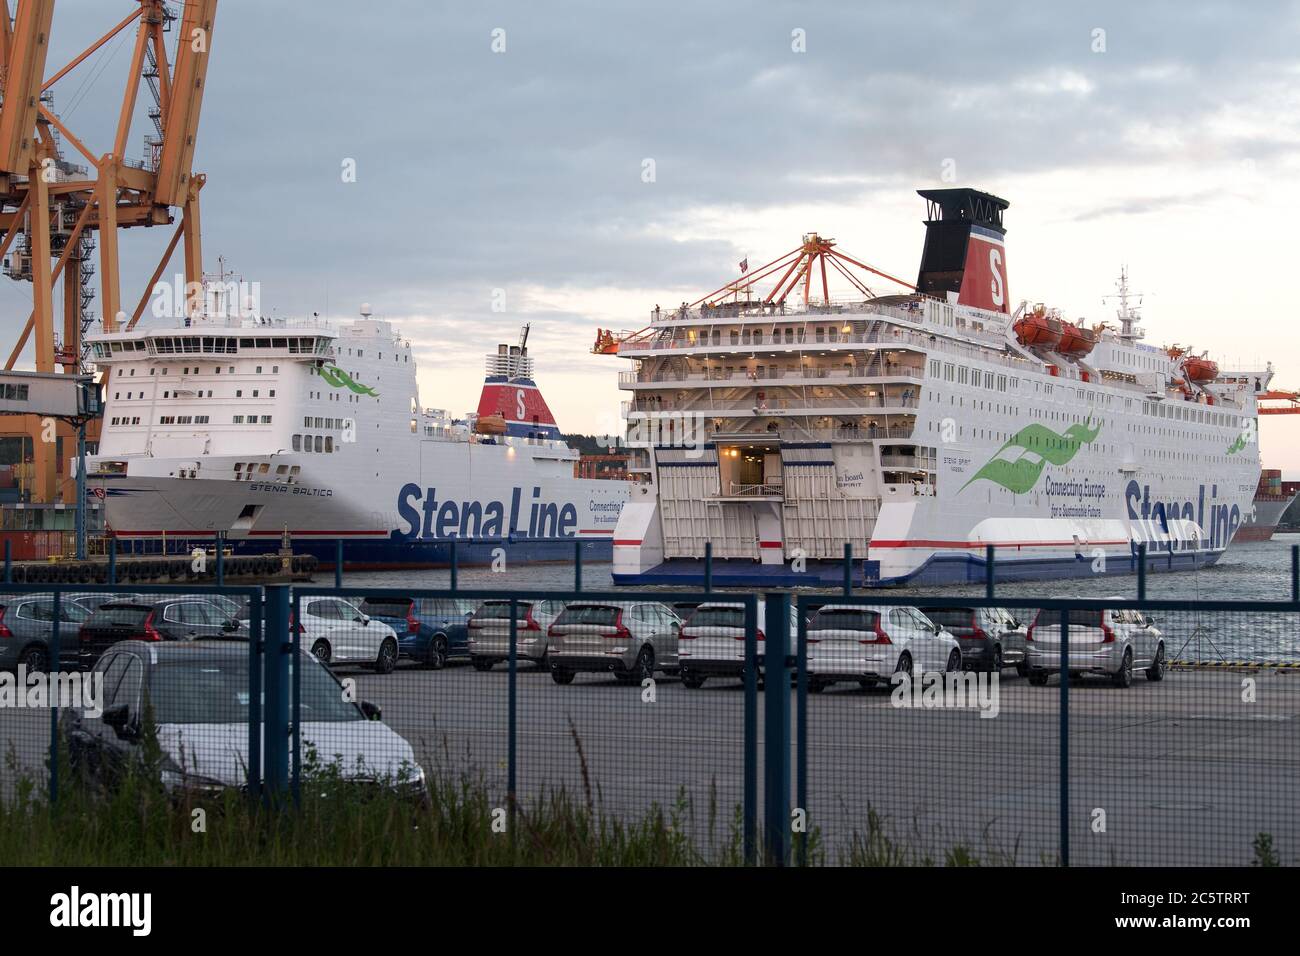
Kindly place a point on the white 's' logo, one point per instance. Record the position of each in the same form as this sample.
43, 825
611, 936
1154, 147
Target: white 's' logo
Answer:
519, 404
995, 266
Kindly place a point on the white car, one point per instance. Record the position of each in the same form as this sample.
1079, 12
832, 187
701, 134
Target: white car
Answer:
338, 632
1110, 642
489, 632
197, 695
867, 643
712, 641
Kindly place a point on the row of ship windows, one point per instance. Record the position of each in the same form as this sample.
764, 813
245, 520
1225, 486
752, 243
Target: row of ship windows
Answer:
315, 443
198, 370
755, 336
1179, 411
190, 420
239, 393
332, 396
318, 422
220, 345
405, 357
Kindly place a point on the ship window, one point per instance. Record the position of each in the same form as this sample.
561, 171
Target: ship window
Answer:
271, 393
320, 423
306, 422
275, 369
263, 344
329, 443
259, 370
297, 443
266, 419
280, 343
239, 393
255, 393
306, 443
238, 420
319, 442
136, 420
167, 394
294, 469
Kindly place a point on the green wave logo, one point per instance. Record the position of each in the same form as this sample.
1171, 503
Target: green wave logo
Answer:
1018, 475
1238, 444
337, 378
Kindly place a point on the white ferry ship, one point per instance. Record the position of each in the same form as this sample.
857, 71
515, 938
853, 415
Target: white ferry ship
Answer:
251, 427
921, 427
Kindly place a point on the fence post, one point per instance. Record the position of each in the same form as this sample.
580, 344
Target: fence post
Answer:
708, 566
1295, 571
9, 565
776, 728
988, 572
801, 729
577, 565
256, 652
275, 772
338, 564
1142, 571
750, 811
52, 668
848, 568
221, 563
112, 560
512, 671
453, 568
1064, 742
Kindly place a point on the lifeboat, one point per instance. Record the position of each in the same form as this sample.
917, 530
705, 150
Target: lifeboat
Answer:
1201, 370
1038, 330
490, 425
1076, 340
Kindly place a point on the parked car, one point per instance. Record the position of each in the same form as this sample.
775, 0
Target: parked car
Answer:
489, 632
197, 694
93, 601
174, 619
631, 640
991, 638
338, 632
27, 632
712, 641
868, 643
429, 630
1111, 642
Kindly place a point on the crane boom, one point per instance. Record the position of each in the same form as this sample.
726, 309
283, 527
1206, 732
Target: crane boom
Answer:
182, 121
24, 62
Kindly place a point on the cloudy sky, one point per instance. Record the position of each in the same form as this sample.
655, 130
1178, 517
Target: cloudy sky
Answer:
1161, 135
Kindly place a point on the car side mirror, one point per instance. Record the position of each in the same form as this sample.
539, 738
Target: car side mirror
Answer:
372, 711
230, 626
119, 718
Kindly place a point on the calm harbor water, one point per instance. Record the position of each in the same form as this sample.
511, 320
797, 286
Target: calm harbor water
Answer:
1249, 571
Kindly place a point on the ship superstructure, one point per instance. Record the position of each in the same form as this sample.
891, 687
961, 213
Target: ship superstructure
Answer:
922, 426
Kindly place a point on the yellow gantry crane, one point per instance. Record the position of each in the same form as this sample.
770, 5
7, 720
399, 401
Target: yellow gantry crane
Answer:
51, 209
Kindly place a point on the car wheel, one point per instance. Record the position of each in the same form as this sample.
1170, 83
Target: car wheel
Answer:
482, 665
562, 676
1022, 669
1038, 678
387, 659
36, 659
1124, 676
544, 662
644, 668
694, 682
904, 664
816, 686
1157, 669
995, 666
437, 658
954, 661
321, 650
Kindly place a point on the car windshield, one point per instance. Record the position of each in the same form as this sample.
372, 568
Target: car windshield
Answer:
951, 616
1078, 618
588, 614
442, 608
130, 616
500, 610
208, 691
844, 619
717, 617
387, 607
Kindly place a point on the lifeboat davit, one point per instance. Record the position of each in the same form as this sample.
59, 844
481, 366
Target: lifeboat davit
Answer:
1201, 370
1038, 330
1076, 340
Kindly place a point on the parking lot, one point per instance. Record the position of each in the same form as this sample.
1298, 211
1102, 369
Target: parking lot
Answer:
1184, 771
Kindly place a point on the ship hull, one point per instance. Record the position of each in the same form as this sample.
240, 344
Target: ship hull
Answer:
1268, 512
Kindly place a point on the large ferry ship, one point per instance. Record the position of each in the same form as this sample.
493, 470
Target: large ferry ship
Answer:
921, 427
251, 427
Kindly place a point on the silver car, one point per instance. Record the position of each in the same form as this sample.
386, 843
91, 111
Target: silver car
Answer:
1111, 642
489, 632
631, 640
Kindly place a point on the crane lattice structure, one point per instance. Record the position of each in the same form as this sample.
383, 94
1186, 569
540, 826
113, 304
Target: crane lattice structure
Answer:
55, 215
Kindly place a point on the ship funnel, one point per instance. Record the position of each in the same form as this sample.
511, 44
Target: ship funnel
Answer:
365, 310
964, 248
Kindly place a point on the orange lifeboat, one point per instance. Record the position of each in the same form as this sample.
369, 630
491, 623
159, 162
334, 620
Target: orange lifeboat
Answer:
490, 425
1038, 330
1076, 340
1201, 369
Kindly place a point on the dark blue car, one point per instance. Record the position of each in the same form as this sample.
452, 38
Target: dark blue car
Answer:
429, 630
